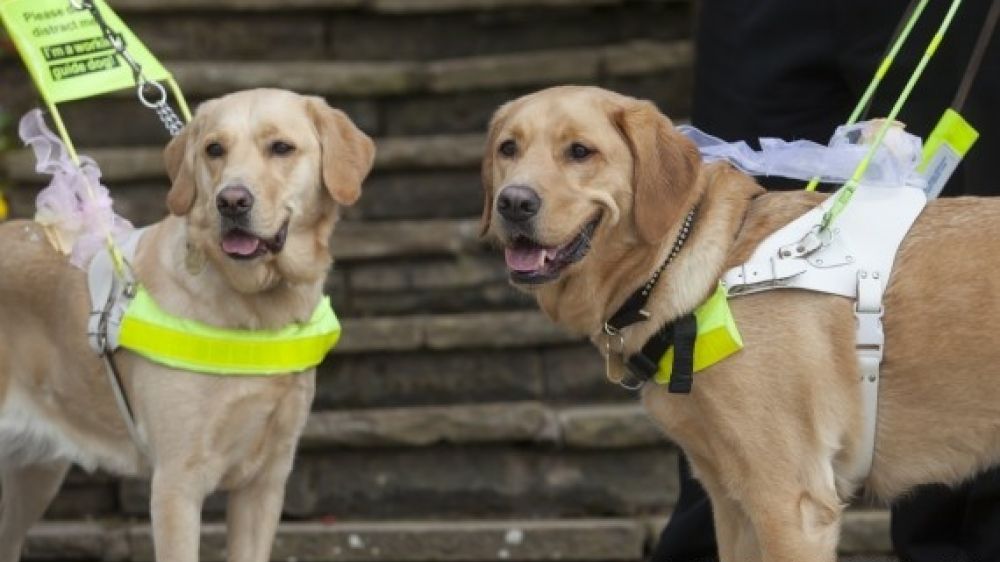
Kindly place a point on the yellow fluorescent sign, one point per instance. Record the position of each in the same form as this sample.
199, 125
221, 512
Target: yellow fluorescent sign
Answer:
66, 52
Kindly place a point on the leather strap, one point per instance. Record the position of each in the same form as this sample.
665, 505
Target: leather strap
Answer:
869, 346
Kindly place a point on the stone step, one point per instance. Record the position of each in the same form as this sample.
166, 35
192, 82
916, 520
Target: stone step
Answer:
602, 426
864, 538
390, 239
563, 374
406, 30
387, 98
446, 76
445, 332
487, 480
131, 163
377, 6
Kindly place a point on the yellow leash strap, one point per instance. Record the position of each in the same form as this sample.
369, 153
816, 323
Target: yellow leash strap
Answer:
193, 346
880, 72
75, 49
844, 195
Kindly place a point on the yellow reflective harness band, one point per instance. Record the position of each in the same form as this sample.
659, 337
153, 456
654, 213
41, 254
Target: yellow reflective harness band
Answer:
149, 331
717, 339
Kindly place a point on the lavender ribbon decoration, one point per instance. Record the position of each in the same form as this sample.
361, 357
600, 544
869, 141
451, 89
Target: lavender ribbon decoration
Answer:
75, 207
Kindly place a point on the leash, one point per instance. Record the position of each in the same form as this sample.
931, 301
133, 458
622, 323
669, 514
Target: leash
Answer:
47, 64
901, 34
844, 195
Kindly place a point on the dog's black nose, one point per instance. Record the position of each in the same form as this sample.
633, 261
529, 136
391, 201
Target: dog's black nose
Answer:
518, 203
234, 201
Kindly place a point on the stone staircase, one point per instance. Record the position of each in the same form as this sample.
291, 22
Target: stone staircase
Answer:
453, 422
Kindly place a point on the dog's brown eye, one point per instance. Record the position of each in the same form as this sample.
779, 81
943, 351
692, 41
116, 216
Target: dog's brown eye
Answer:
215, 150
508, 148
578, 151
281, 148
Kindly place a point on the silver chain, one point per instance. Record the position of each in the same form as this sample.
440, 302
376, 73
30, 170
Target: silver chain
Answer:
144, 86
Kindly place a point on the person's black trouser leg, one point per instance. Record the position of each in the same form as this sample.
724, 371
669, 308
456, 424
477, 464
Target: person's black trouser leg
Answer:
941, 524
690, 534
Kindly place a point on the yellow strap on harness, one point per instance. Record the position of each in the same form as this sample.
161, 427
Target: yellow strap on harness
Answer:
186, 344
717, 338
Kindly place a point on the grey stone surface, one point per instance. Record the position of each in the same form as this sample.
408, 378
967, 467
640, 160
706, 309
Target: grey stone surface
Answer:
131, 163
406, 238
414, 378
496, 330
478, 481
561, 374
576, 373
117, 164
408, 6
418, 36
447, 481
386, 6
510, 422
583, 540
608, 426
440, 301
426, 114
448, 284
506, 71
330, 78
388, 78
455, 541
431, 151
864, 535
451, 331
239, 35
232, 5
865, 531
77, 541
647, 57
431, 274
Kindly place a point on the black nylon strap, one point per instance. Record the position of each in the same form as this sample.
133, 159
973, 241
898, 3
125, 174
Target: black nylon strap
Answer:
680, 334
685, 334
630, 312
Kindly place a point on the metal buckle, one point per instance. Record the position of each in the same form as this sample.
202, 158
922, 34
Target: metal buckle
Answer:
815, 239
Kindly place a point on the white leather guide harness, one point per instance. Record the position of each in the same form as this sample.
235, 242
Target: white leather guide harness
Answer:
854, 259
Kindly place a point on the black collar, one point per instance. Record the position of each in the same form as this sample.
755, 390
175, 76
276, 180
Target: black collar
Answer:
634, 309
681, 333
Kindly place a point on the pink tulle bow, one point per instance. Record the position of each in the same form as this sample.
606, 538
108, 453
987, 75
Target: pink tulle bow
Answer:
75, 204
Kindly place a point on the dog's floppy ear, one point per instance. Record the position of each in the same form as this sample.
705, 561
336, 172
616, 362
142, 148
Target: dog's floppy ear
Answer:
180, 198
665, 168
489, 155
348, 153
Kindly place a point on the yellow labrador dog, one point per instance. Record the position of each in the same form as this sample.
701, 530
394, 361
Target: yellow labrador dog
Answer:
587, 192
258, 177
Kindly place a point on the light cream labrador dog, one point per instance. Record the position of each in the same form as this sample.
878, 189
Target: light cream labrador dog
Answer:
258, 177
586, 190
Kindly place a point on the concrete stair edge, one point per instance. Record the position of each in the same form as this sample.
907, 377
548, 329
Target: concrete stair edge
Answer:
582, 540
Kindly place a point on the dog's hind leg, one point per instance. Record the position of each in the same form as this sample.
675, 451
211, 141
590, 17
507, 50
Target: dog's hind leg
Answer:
25, 493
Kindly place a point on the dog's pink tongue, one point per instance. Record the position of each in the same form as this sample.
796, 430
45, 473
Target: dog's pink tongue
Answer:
525, 259
240, 243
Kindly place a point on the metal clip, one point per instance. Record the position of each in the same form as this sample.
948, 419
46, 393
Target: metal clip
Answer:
614, 354
815, 239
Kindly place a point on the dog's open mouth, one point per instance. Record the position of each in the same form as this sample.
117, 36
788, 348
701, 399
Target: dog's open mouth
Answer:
242, 244
531, 263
